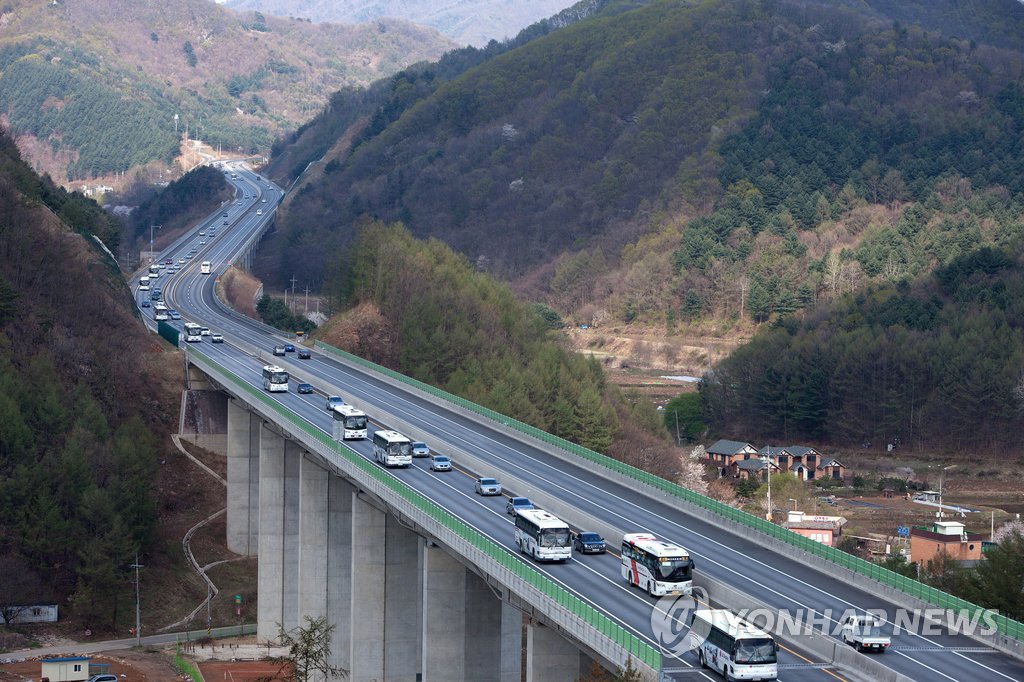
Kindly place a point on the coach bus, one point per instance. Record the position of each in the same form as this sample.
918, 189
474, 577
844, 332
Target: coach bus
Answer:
204, 267
349, 423
275, 378
543, 535
392, 449
732, 646
193, 332
659, 567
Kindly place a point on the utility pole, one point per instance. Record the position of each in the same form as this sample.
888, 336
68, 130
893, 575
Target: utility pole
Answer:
305, 308
293, 290
138, 620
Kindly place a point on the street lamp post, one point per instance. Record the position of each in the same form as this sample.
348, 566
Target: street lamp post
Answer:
151, 251
138, 620
768, 467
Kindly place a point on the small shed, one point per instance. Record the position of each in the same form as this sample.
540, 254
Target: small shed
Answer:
68, 669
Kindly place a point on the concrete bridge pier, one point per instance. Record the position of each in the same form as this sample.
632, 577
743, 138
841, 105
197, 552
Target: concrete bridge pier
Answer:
469, 633
552, 658
243, 460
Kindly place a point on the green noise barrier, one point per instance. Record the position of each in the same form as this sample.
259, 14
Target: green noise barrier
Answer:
1006, 626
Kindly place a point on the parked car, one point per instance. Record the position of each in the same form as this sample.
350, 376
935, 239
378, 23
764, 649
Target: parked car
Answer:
333, 401
440, 463
587, 542
105, 677
216, 338
420, 449
517, 504
304, 354
487, 486
304, 388
278, 350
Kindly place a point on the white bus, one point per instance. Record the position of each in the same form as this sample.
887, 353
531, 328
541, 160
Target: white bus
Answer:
659, 567
143, 283
732, 646
543, 535
204, 267
154, 271
349, 423
160, 312
193, 332
275, 378
392, 449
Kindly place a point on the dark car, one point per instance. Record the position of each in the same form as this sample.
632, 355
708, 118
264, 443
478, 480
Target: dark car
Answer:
145, 304
304, 388
588, 543
304, 354
518, 504
289, 348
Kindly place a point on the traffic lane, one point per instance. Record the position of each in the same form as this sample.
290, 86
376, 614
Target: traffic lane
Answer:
966, 667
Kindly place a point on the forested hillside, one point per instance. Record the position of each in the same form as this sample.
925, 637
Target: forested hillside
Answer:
727, 159
420, 308
384, 101
182, 203
78, 420
94, 86
936, 365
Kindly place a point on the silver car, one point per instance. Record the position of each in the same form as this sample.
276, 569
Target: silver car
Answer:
488, 486
440, 463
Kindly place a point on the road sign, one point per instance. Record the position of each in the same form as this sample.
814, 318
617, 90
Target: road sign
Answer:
903, 531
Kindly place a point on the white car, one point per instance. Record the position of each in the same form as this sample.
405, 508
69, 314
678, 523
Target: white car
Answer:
487, 486
259, 211
440, 463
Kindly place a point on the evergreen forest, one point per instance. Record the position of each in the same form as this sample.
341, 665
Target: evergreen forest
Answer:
78, 423
932, 365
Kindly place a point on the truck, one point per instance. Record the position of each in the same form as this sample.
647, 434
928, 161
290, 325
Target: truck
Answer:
864, 631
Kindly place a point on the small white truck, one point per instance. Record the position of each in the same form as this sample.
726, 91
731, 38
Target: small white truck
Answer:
864, 631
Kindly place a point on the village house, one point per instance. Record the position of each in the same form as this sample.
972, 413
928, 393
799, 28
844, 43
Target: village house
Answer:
745, 468
724, 452
945, 536
804, 462
823, 529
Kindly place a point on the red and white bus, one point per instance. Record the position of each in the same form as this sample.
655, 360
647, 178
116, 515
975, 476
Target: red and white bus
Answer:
659, 567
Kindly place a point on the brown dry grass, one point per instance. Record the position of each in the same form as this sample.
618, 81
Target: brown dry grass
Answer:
239, 289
